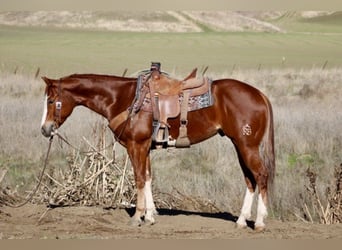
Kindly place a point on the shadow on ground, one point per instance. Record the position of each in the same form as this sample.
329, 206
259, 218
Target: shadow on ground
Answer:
174, 212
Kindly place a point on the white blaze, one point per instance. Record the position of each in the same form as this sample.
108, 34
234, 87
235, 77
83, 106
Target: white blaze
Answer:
44, 110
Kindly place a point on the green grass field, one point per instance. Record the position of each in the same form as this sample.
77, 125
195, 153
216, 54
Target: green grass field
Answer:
60, 52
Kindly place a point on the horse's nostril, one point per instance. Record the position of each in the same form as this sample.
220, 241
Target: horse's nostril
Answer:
46, 132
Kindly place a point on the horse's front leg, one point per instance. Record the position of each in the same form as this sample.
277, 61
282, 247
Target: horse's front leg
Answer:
150, 207
138, 153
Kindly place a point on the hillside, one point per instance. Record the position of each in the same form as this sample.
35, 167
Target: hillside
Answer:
177, 21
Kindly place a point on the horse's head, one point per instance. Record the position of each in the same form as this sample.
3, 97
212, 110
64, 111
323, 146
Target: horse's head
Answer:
58, 105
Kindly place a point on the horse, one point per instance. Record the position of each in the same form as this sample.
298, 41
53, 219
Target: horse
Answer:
239, 112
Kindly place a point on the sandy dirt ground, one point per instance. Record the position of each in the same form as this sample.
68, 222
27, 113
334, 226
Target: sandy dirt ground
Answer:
37, 222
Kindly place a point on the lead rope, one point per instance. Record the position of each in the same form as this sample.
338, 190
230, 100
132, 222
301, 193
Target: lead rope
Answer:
39, 180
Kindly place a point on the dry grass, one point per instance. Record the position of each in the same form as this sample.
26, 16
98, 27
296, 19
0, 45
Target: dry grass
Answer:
327, 210
146, 21
174, 21
178, 21
232, 21
307, 128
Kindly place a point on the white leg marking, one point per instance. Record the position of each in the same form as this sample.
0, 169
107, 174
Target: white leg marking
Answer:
246, 209
44, 110
150, 207
261, 213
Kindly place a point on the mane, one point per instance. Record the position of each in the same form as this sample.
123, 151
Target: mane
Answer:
87, 76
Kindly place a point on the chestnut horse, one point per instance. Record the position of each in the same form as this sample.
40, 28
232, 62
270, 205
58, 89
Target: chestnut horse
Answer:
240, 112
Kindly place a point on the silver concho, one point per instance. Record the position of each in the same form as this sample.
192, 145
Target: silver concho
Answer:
59, 105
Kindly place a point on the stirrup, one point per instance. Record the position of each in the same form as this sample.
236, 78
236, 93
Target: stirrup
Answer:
182, 140
156, 130
156, 127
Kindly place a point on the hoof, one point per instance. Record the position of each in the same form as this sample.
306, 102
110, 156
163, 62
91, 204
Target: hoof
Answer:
259, 229
135, 222
150, 221
241, 226
155, 212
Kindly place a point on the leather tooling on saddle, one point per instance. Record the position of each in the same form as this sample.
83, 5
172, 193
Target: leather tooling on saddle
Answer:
166, 98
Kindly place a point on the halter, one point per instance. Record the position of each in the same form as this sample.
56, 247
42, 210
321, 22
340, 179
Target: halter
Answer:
57, 116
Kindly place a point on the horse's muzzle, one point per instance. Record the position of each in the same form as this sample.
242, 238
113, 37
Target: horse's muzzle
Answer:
47, 129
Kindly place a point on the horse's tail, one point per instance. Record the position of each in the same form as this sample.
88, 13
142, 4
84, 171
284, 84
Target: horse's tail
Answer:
267, 152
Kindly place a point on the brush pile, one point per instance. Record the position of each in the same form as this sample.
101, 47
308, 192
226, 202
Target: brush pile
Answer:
7, 195
92, 178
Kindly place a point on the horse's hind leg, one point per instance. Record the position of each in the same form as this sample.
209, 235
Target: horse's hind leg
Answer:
255, 175
246, 209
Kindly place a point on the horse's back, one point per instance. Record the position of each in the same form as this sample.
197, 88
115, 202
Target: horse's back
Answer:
233, 88
237, 96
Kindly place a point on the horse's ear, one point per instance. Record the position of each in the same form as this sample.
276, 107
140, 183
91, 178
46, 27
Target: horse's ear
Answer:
47, 80
191, 75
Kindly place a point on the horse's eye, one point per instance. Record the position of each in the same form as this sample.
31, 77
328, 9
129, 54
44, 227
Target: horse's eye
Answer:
50, 101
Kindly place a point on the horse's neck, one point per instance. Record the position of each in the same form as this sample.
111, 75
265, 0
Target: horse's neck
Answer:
107, 98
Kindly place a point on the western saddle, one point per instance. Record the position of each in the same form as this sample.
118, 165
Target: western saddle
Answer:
168, 98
